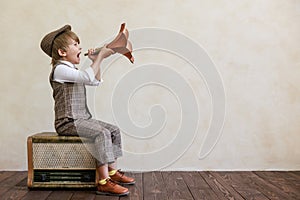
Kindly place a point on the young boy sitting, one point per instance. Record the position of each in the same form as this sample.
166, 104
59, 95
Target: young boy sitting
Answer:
72, 116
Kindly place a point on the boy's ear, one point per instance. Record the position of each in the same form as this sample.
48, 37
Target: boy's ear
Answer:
61, 52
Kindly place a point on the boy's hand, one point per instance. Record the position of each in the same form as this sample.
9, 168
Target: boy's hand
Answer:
92, 55
103, 52
106, 52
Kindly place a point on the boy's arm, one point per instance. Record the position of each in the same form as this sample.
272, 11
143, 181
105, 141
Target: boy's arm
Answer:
98, 58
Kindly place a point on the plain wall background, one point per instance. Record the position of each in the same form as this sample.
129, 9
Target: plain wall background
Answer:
254, 45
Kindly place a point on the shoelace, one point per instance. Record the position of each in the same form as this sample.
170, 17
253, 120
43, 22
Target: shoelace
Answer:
121, 173
109, 180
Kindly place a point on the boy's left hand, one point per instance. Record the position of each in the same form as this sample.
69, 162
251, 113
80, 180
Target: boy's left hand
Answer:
103, 52
106, 52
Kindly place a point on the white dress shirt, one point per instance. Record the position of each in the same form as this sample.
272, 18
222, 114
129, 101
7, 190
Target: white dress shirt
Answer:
67, 72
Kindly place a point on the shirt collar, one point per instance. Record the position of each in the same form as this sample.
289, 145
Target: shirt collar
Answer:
68, 63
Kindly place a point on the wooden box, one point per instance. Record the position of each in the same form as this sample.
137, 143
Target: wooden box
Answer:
60, 161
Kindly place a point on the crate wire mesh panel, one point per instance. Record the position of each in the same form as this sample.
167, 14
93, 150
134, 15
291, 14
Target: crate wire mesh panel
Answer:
60, 161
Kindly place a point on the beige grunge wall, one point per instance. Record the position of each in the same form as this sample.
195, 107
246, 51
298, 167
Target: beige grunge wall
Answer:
254, 45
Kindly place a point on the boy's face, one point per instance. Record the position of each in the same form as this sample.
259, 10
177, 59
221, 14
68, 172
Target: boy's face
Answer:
72, 54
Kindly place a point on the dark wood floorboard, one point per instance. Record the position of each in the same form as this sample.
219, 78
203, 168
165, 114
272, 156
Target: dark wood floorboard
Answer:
154, 186
83, 195
198, 187
58, 195
9, 188
282, 182
206, 185
222, 190
136, 191
175, 186
264, 186
240, 184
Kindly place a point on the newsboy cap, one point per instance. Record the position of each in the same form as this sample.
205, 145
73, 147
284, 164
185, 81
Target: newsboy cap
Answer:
47, 41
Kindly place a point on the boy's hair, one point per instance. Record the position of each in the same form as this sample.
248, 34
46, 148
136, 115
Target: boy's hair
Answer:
62, 42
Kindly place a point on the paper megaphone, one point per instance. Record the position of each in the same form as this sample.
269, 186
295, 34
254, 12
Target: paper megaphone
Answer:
120, 44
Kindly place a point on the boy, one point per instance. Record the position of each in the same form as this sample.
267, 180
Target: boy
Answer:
72, 116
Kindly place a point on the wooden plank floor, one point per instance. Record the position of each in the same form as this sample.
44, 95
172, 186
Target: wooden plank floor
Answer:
172, 185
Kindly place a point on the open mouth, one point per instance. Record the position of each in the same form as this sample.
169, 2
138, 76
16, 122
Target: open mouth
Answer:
78, 54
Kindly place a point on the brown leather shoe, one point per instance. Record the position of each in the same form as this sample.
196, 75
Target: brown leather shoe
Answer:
120, 178
110, 188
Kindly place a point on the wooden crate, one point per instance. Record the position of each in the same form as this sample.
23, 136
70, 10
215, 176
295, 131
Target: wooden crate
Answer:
60, 161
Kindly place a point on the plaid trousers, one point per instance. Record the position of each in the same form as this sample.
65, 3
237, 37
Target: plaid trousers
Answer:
106, 137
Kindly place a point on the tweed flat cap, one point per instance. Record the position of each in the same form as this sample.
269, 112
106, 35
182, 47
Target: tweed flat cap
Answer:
47, 41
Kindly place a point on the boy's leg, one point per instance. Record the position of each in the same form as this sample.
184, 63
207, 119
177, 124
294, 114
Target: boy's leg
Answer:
108, 147
104, 149
103, 172
115, 138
